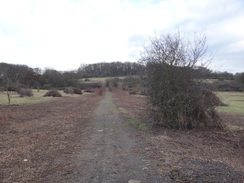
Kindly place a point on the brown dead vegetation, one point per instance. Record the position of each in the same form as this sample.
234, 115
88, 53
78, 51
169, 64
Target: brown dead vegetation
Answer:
71, 90
38, 141
53, 93
77, 91
190, 152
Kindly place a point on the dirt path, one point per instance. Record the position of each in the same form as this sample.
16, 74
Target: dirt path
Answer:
109, 155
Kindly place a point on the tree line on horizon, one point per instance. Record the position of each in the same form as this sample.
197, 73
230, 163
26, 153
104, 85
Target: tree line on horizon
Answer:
112, 69
25, 76
51, 78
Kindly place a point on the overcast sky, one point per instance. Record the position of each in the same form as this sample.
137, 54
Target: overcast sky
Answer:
62, 34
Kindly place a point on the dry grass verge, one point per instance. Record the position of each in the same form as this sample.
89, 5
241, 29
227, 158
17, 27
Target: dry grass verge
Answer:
38, 141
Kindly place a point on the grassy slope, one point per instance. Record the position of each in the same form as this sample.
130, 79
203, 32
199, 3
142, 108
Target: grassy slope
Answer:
234, 100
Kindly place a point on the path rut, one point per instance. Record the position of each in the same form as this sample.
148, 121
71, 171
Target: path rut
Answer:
109, 155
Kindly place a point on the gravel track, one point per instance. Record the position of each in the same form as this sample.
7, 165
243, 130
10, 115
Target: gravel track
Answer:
109, 155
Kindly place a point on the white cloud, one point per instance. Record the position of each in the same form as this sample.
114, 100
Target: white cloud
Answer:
63, 34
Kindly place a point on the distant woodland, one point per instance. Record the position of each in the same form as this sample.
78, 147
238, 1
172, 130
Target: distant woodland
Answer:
12, 74
112, 69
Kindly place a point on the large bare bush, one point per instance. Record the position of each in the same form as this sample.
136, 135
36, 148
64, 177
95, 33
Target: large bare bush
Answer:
53, 93
69, 90
177, 99
25, 92
77, 91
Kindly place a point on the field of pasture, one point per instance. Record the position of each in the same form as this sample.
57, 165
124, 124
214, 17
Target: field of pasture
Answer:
38, 96
234, 102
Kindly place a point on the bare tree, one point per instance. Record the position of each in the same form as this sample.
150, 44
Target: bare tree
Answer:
178, 99
10, 80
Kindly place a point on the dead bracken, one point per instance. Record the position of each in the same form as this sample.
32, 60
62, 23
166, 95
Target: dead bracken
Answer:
53, 93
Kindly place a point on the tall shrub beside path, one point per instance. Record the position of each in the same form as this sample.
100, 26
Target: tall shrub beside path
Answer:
179, 100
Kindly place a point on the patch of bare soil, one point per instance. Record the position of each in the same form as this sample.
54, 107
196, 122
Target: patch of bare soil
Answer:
39, 141
189, 156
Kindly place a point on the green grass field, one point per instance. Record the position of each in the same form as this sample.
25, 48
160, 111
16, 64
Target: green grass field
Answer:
234, 100
36, 98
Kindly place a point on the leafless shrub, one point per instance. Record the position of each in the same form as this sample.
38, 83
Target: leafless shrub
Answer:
25, 92
177, 99
77, 91
53, 93
69, 90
